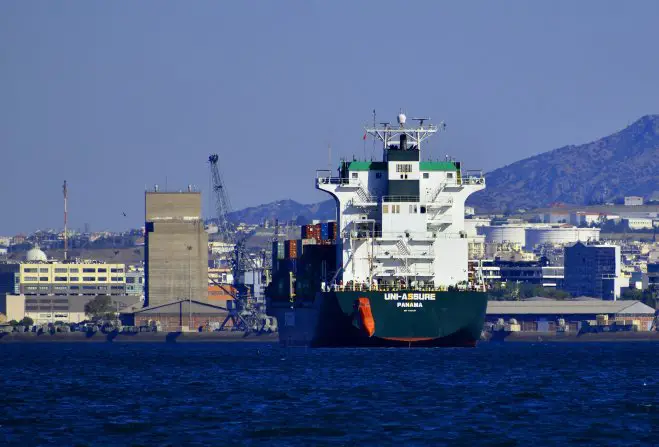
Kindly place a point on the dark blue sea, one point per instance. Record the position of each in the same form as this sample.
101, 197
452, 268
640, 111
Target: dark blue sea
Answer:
249, 394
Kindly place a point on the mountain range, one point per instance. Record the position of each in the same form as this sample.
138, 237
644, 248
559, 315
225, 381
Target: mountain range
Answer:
285, 211
621, 164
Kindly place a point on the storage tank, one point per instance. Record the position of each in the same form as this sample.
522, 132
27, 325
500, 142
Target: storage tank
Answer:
499, 234
471, 225
559, 235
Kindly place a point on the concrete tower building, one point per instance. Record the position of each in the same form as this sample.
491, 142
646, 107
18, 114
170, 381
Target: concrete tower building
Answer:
176, 253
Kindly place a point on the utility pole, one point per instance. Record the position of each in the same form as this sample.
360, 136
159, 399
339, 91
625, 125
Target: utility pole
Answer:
189, 247
66, 236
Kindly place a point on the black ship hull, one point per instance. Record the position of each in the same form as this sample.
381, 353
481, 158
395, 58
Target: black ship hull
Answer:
404, 318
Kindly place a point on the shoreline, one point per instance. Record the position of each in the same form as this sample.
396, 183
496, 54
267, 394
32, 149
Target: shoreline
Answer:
140, 337
553, 337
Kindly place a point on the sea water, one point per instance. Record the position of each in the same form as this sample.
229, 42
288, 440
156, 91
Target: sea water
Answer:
261, 394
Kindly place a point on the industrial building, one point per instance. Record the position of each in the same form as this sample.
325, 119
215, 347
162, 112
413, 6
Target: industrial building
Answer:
651, 279
72, 278
633, 201
135, 281
176, 248
177, 315
10, 278
542, 314
531, 272
52, 308
639, 223
512, 234
560, 235
483, 269
593, 270
530, 236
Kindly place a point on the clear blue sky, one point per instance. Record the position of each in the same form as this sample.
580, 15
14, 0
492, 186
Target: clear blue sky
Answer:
113, 96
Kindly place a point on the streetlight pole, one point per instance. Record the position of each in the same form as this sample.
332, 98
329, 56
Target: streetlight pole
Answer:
189, 247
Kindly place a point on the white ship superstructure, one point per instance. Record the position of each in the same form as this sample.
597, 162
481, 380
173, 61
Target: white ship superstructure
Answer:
401, 220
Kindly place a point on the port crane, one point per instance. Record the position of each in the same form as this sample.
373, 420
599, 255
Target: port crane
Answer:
244, 312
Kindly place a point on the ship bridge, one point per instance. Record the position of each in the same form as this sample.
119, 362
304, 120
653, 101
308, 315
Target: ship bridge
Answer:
402, 218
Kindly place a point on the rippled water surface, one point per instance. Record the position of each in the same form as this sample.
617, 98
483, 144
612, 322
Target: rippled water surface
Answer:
248, 394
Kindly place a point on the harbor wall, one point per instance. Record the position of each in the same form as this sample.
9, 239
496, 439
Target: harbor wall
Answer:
140, 337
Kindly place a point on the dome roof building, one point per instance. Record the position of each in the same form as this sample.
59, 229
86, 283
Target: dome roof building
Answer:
36, 255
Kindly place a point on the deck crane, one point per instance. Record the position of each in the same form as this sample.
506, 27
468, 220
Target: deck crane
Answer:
244, 313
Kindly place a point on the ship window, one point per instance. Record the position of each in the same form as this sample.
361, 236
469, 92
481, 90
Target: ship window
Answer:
405, 176
449, 175
423, 210
378, 175
385, 209
413, 209
426, 175
404, 167
354, 175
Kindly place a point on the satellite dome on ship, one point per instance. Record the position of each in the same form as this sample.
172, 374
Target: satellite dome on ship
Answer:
35, 255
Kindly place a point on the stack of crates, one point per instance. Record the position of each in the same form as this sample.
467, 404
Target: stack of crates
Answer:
321, 232
311, 232
291, 249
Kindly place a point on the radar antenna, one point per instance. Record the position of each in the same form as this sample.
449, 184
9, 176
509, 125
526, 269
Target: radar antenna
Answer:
420, 120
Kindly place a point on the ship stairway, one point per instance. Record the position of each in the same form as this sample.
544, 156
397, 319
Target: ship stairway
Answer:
436, 192
403, 249
440, 217
363, 198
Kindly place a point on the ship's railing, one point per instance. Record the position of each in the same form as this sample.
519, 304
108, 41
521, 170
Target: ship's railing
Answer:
400, 199
473, 178
365, 287
324, 177
363, 233
390, 252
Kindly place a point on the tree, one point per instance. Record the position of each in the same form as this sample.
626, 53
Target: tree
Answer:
100, 307
27, 321
649, 296
501, 291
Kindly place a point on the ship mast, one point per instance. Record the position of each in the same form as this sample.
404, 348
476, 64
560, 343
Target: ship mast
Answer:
415, 135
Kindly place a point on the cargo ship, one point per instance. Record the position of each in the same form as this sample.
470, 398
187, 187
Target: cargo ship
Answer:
391, 271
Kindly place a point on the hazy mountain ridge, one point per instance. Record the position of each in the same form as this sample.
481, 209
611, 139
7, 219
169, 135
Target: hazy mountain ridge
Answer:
624, 163
286, 210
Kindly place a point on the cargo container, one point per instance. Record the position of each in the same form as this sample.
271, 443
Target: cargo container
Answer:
291, 249
324, 231
332, 230
280, 249
311, 231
